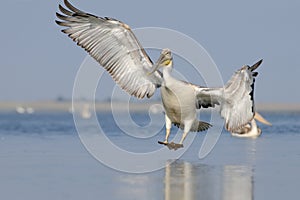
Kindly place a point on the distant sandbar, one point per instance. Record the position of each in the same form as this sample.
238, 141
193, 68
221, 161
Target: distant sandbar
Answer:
44, 106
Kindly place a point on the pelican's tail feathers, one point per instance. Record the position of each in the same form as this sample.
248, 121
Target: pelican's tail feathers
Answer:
199, 126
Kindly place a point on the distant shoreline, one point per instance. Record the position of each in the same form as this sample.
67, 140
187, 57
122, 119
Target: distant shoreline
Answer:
54, 106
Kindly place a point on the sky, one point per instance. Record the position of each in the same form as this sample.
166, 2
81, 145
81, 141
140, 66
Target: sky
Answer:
38, 62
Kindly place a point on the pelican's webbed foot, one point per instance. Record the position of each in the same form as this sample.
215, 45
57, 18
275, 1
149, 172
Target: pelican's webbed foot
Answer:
172, 145
163, 143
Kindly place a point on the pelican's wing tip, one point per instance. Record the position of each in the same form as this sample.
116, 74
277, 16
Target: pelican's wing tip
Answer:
256, 65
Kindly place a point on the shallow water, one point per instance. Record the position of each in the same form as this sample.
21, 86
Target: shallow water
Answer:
42, 157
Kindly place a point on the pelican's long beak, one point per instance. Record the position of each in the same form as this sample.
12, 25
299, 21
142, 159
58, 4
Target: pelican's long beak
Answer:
164, 59
157, 65
260, 118
154, 69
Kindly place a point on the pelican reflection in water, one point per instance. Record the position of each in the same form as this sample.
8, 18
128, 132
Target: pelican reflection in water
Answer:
189, 181
184, 180
113, 44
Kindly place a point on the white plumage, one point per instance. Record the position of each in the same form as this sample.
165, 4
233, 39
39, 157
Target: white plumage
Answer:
115, 47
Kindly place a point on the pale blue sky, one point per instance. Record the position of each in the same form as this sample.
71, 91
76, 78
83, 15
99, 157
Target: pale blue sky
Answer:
38, 62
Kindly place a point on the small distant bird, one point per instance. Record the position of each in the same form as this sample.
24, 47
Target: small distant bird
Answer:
115, 47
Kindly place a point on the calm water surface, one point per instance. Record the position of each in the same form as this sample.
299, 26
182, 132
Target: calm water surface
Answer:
42, 157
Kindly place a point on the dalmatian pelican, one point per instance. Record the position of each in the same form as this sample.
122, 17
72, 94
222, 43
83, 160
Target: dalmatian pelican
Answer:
251, 130
115, 47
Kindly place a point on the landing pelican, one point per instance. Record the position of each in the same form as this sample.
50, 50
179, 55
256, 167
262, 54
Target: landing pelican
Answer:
115, 47
251, 129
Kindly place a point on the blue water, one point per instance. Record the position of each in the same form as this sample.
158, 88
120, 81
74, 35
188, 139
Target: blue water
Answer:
42, 157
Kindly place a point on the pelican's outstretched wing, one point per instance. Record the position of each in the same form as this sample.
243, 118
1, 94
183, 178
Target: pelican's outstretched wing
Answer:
114, 46
235, 98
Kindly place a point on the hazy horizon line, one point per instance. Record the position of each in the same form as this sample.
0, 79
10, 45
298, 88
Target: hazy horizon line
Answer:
52, 105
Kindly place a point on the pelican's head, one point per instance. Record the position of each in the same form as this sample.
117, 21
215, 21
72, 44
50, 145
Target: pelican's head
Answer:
165, 60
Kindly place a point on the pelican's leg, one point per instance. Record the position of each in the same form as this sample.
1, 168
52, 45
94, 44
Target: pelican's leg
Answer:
186, 130
168, 128
183, 137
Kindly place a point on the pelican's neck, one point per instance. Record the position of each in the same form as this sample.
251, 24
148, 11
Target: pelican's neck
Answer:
255, 131
167, 72
254, 126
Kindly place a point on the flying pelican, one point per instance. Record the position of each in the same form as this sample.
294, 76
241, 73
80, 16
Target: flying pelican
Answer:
113, 44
